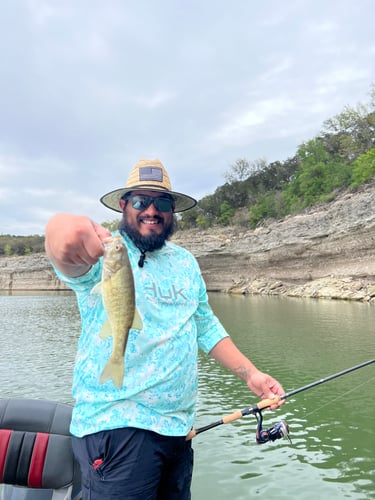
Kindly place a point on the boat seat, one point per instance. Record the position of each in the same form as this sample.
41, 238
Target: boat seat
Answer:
36, 457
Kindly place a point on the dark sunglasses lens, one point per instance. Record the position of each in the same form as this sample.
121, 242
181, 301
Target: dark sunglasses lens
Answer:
163, 204
141, 202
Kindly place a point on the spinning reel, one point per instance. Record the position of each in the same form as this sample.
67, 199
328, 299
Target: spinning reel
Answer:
276, 431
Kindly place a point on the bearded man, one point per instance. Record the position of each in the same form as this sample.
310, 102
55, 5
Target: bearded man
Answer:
130, 440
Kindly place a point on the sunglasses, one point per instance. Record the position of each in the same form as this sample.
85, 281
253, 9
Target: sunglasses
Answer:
142, 201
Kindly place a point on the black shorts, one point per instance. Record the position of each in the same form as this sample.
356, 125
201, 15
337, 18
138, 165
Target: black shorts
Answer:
134, 464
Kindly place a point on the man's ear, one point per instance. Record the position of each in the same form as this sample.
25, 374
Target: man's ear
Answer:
122, 204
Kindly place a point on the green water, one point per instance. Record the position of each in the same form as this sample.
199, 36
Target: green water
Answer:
332, 455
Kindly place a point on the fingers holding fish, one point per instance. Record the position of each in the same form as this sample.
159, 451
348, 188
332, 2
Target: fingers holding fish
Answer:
74, 243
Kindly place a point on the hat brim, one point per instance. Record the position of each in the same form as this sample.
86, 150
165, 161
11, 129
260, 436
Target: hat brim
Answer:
112, 199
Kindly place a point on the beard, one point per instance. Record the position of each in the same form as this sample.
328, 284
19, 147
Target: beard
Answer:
148, 243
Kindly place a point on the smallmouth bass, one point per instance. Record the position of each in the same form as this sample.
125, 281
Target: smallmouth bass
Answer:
118, 295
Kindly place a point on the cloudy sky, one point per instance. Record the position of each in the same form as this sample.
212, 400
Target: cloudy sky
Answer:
87, 87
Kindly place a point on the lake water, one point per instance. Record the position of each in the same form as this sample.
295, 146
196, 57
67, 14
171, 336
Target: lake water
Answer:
332, 455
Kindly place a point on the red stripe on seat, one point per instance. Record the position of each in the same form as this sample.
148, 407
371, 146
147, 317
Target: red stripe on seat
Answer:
4, 443
38, 458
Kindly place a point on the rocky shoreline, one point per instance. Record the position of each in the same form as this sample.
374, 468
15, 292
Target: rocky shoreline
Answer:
326, 252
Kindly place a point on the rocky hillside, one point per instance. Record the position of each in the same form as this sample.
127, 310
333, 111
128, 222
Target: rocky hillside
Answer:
328, 251
325, 252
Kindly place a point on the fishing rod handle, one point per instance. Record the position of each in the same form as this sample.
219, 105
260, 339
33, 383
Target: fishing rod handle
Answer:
232, 417
224, 420
266, 403
191, 435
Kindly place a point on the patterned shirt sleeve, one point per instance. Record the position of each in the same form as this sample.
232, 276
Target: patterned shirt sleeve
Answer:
84, 282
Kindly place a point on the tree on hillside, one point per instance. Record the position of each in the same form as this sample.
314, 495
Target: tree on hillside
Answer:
20, 245
364, 168
350, 133
319, 173
242, 169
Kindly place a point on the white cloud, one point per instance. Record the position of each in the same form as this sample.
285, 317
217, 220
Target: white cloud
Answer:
341, 75
156, 99
243, 126
89, 87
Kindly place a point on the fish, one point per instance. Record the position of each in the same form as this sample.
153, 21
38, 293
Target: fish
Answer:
118, 296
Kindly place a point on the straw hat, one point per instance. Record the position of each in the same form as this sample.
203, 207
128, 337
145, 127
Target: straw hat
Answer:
148, 175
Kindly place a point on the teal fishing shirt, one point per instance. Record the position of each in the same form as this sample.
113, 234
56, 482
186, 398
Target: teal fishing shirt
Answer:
161, 361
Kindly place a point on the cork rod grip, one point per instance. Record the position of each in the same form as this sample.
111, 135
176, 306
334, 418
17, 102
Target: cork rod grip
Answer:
266, 403
232, 417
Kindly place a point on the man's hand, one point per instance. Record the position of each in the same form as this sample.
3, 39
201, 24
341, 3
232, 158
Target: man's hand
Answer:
265, 386
74, 243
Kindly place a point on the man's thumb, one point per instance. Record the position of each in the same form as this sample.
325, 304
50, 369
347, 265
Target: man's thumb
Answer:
101, 231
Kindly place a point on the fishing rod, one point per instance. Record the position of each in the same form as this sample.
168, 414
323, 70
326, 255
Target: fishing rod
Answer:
281, 429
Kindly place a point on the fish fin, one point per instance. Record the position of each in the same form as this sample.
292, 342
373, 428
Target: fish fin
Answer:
106, 330
97, 289
115, 371
137, 321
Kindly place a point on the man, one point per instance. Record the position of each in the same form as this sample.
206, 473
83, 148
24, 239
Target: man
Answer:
130, 440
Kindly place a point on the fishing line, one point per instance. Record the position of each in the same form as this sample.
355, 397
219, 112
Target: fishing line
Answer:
340, 396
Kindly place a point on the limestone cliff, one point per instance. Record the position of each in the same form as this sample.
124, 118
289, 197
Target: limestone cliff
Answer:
328, 251
29, 273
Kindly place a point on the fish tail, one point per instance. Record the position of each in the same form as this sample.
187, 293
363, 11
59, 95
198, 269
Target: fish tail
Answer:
113, 370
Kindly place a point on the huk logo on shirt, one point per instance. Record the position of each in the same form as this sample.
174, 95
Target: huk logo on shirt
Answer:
172, 293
